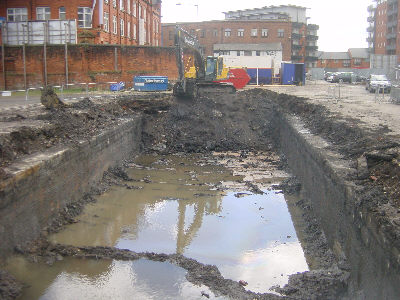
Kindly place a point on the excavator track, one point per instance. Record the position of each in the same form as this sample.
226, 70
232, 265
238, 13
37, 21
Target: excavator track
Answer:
212, 89
203, 89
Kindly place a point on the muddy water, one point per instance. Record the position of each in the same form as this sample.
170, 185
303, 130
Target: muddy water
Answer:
196, 208
103, 279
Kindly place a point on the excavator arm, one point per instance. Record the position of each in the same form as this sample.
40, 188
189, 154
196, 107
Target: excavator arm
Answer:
206, 70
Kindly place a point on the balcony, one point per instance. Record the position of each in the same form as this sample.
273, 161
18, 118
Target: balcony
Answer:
312, 27
391, 35
311, 58
391, 12
390, 47
297, 25
297, 57
296, 36
296, 47
312, 37
370, 39
391, 24
371, 8
311, 48
370, 19
370, 29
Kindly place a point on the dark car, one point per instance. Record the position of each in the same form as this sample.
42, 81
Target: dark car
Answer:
343, 77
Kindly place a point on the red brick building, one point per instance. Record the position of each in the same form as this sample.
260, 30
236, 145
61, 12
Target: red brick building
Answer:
383, 28
354, 58
234, 32
126, 22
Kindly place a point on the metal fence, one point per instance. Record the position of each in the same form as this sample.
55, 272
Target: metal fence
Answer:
72, 91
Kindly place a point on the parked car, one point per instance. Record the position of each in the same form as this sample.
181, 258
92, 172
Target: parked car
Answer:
327, 75
343, 77
378, 83
330, 77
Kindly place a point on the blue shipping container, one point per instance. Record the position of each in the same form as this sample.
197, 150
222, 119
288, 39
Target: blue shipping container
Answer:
150, 83
264, 75
293, 73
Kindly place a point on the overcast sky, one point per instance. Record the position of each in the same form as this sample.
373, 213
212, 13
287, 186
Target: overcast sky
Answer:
342, 23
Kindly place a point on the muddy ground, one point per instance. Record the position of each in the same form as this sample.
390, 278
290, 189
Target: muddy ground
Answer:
239, 122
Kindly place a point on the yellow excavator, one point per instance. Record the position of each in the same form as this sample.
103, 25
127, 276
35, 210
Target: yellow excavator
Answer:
206, 74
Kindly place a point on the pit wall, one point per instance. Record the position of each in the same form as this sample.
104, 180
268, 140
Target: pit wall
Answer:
354, 235
41, 185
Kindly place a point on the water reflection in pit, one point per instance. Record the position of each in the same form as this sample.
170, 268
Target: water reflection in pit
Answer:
177, 207
73, 279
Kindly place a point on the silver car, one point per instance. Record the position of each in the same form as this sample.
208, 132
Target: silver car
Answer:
378, 83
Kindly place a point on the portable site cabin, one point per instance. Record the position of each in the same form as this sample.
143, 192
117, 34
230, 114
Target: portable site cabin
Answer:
293, 73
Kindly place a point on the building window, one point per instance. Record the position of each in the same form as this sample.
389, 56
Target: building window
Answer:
237, 53
202, 33
134, 8
122, 27
42, 13
357, 61
171, 35
115, 24
346, 63
227, 32
106, 1
128, 33
128, 6
254, 32
122, 5
106, 20
84, 17
17, 14
140, 11
264, 32
145, 13
215, 32
240, 32
115, 3
134, 31
247, 53
258, 53
62, 15
281, 33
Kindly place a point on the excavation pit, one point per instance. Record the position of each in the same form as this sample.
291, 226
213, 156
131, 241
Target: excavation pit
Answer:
343, 219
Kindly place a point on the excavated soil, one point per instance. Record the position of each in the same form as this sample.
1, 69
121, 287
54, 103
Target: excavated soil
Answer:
239, 122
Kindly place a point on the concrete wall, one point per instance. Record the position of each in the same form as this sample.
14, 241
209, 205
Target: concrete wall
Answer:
41, 185
353, 233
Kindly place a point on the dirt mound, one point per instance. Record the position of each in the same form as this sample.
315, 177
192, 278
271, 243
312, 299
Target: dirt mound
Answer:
62, 126
50, 99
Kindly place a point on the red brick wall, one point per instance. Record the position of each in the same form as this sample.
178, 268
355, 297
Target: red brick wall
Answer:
86, 63
208, 40
380, 28
97, 33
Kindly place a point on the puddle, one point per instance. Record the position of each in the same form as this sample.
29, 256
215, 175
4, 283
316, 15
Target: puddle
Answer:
73, 279
181, 205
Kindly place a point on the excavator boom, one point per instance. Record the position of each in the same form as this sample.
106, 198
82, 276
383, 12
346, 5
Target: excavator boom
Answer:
204, 78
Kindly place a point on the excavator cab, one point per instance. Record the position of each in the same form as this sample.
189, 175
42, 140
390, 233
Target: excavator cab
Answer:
215, 68
211, 68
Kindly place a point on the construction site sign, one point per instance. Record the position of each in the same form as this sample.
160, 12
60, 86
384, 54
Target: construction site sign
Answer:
40, 32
